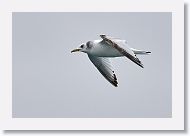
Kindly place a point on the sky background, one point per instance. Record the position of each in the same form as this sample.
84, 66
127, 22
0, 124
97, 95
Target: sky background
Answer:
50, 82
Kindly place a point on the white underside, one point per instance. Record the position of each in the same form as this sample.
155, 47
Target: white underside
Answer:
104, 51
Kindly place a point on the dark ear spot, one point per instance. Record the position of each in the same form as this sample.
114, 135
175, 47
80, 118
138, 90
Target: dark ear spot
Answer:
82, 46
89, 44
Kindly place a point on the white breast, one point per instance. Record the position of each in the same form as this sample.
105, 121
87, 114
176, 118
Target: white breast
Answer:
104, 50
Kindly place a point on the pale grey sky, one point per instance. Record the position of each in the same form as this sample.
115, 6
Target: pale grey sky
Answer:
49, 81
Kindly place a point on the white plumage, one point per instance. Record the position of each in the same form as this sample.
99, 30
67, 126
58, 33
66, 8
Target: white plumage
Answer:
100, 52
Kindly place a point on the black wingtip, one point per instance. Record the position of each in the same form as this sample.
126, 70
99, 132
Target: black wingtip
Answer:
141, 65
115, 84
138, 62
148, 52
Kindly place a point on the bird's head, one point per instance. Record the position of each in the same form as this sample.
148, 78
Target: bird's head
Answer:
84, 47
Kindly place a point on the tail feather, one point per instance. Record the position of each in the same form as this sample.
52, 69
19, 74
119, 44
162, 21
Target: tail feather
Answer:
140, 51
148, 52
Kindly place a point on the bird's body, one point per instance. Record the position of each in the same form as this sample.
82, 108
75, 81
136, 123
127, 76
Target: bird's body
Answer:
102, 49
99, 52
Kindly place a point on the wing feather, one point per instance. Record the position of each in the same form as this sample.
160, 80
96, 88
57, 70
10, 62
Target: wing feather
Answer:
126, 52
105, 68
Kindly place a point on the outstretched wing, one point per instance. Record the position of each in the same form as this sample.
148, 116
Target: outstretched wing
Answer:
105, 68
126, 52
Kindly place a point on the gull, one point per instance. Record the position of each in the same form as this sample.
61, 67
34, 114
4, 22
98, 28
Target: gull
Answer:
100, 52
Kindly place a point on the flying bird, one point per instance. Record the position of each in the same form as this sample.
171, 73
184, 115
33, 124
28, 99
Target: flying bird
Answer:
100, 52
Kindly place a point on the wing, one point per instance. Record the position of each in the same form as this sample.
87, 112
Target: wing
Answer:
125, 51
105, 68
113, 38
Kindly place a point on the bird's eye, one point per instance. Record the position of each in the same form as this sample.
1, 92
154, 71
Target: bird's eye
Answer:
82, 46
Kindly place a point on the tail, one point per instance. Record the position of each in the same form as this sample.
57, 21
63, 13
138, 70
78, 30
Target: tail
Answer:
140, 51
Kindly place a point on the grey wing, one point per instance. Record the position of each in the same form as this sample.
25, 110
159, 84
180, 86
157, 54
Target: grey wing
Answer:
105, 68
113, 38
125, 51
